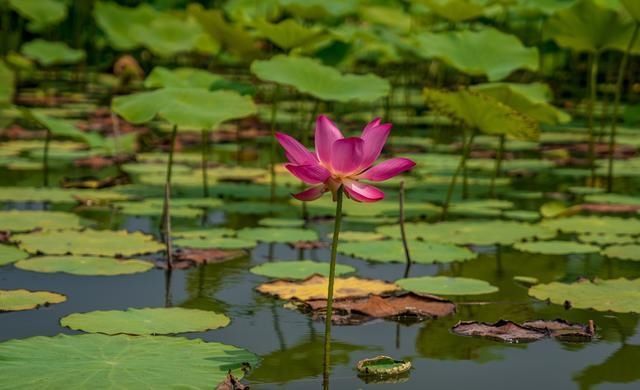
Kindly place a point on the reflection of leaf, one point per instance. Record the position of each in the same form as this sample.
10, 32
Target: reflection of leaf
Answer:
620, 367
50, 53
315, 287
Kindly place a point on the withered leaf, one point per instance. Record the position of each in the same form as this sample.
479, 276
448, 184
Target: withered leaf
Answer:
315, 287
231, 383
502, 330
208, 256
309, 244
563, 330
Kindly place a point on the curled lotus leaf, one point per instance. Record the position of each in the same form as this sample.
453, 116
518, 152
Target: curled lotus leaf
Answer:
146, 321
14, 300
444, 285
507, 331
10, 254
393, 251
383, 366
22, 221
93, 360
300, 269
616, 295
623, 252
84, 265
88, 242
555, 247
594, 224
316, 286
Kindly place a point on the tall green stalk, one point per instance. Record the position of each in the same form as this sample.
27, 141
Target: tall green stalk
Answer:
167, 180
274, 113
205, 163
593, 81
498, 166
616, 104
332, 275
45, 159
452, 183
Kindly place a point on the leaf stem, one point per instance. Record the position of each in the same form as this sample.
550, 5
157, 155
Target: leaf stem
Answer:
593, 73
452, 183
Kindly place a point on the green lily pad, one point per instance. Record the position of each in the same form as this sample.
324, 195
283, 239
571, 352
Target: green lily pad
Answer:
555, 247
10, 254
623, 252
84, 265
215, 242
528, 280
486, 52
455, 10
323, 82
35, 194
15, 300
594, 224
281, 222
471, 232
153, 207
613, 199
205, 234
277, 234
617, 295
88, 242
521, 215
289, 33
50, 53
40, 13
22, 221
393, 251
444, 285
93, 360
301, 269
7, 84
605, 239
147, 321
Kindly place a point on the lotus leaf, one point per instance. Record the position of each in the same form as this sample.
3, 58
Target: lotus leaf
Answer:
301, 269
167, 35
147, 321
206, 234
393, 251
187, 107
7, 84
215, 242
482, 112
352, 235
486, 52
605, 239
40, 13
288, 34
593, 224
444, 285
161, 77
555, 247
316, 286
153, 207
119, 22
64, 128
84, 265
22, 221
93, 360
633, 7
455, 10
617, 295
613, 199
14, 300
88, 242
528, 280
323, 82
50, 53
9, 254
623, 252
276, 234
281, 222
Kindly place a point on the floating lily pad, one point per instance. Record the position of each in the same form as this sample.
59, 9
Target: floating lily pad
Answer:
298, 269
153, 207
88, 242
281, 222
93, 360
84, 265
215, 242
555, 247
9, 254
277, 234
471, 232
352, 235
205, 234
617, 295
22, 221
444, 285
383, 366
14, 300
522, 215
393, 251
316, 287
592, 224
605, 239
147, 321
613, 199
623, 252
33, 194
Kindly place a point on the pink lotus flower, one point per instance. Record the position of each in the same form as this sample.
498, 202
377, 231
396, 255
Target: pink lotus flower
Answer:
342, 161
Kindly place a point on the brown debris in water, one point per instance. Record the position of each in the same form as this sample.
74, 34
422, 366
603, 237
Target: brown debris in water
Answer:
511, 332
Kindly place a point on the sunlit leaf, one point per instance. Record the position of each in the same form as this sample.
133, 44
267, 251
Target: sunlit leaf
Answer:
444, 285
84, 265
316, 286
301, 269
161, 77
15, 300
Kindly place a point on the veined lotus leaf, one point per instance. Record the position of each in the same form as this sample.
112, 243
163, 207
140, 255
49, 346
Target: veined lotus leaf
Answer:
161, 77
633, 7
617, 295
445, 285
482, 112
623, 252
353, 235
118, 22
187, 107
281, 222
40, 13
14, 300
613, 199
205, 234
588, 26
50, 53
471, 232
316, 286
9, 254
487, 52
301, 269
393, 251
147, 321
593, 224
277, 234
84, 265
323, 82
88, 242
529, 99
605, 239
7, 84
25, 220
93, 360
555, 247
289, 34
455, 10
64, 128
215, 242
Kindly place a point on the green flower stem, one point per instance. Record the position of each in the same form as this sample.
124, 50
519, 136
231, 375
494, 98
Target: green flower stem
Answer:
452, 183
205, 163
332, 275
593, 73
498, 167
616, 104
274, 114
45, 159
166, 211
167, 181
